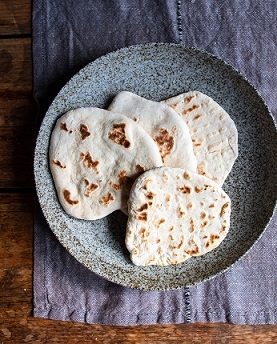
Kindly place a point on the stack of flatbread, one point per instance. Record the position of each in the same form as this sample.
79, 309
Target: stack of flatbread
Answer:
162, 163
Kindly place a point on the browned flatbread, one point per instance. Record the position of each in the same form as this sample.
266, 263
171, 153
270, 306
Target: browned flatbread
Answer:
95, 155
173, 215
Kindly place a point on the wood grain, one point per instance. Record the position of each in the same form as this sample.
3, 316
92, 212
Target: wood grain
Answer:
17, 325
17, 114
15, 17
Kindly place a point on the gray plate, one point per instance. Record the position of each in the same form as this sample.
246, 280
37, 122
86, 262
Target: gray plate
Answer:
159, 71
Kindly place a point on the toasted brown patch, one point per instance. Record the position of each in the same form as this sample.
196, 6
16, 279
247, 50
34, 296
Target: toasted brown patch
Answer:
144, 234
174, 106
106, 200
135, 119
203, 215
212, 205
63, 126
66, 195
181, 212
214, 237
84, 131
142, 216
168, 197
165, 141
162, 220
192, 226
90, 187
118, 135
143, 230
204, 224
194, 107
201, 169
198, 189
224, 208
58, 163
145, 186
194, 248
187, 176
143, 207
185, 189
88, 161
189, 98
197, 143
180, 244
190, 205
223, 228
150, 195
197, 117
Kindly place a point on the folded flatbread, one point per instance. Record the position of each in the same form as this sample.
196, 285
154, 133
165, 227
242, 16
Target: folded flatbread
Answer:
94, 156
173, 215
165, 127
213, 132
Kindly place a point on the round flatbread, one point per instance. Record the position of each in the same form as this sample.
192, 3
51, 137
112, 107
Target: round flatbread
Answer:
94, 156
173, 215
213, 133
165, 127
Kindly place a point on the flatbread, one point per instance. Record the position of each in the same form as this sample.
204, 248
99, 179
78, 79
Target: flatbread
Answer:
174, 215
213, 132
94, 156
163, 124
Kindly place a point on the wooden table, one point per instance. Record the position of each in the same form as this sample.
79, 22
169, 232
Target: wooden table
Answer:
17, 136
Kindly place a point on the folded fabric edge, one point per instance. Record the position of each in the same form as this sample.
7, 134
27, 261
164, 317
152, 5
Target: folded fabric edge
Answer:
90, 317
238, 318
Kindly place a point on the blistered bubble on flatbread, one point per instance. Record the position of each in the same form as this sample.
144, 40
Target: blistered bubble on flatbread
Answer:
95, 155
187, 215
213, 133
169, 132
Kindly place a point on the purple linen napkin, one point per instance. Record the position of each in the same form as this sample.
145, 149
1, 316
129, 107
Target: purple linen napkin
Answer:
69, 34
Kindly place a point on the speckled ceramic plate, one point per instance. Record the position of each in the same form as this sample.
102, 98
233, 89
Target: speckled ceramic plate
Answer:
159, 71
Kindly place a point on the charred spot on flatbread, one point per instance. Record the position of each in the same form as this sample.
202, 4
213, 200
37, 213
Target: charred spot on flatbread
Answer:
90, 187
188, 99
194, 249
67, 197
185, 189
143, 207
89, 162
194, 107
63, 126
118, 135
106, 200
84, 131
165, 141
58, 163
142, 216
